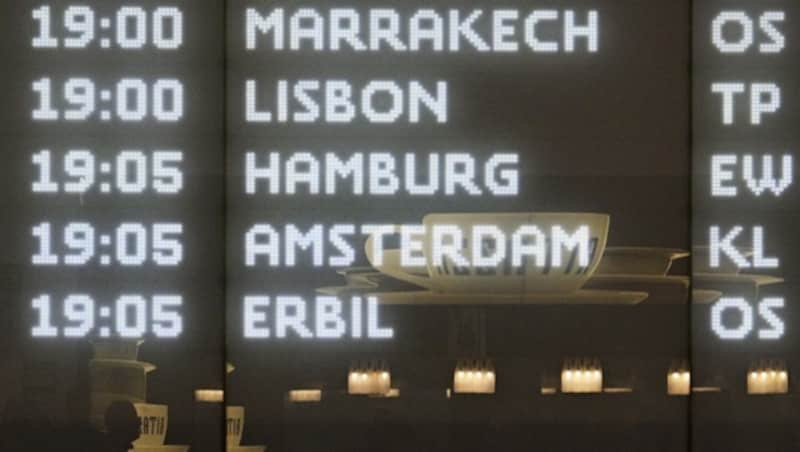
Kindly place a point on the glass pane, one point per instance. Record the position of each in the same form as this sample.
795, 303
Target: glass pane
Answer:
460, 226
744, 214
247, 226
112, 270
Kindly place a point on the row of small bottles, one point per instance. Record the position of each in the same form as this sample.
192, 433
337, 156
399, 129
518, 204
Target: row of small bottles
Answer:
474, 376
578, 375
581, 375
768, 377
369, 378
679, 379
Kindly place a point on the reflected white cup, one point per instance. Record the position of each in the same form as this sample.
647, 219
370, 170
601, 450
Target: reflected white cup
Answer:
161, 448
125, 349
153, 429
234, 425
442, 274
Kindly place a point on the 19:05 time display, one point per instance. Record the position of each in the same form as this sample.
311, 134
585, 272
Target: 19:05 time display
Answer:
130, 244
79, 171
129, 316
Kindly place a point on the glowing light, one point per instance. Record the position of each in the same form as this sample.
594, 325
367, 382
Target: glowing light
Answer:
768, 377
209, 395
581, 376
679, 381
305, 395
393, 393
369, 379
473, 377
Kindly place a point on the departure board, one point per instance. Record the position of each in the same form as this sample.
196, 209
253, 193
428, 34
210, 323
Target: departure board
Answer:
254, 225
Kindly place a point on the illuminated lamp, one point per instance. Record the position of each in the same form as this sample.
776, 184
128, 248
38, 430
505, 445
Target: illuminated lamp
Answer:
679, 380
582, 375
305, 395
371, 378
549, 385
618, 390
474, 377
768, 377
706, 389
393, 393
209, 395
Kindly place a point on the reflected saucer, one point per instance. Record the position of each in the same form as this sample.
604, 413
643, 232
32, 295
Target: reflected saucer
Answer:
661, 289
366, 279
161, 448
736, 278
579, 297
678, 280
350, 289
640, 260
732, 283
700, 296
361, 275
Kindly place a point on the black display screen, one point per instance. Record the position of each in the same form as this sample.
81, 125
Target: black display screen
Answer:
365, 226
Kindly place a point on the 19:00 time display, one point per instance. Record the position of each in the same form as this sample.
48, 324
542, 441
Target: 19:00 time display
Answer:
131, 99
130, 27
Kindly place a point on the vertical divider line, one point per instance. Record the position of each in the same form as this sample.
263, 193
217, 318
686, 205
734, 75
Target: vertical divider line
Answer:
690, 305
225, 176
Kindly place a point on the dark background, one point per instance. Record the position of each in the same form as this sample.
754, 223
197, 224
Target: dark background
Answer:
609, 132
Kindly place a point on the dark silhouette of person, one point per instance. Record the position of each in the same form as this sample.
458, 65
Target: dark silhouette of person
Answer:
78, 434
122, 426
